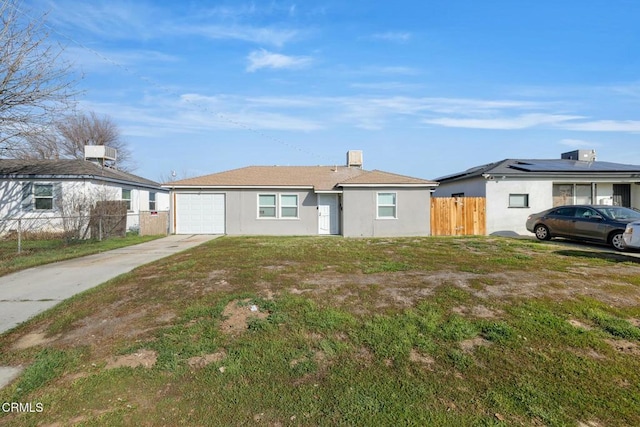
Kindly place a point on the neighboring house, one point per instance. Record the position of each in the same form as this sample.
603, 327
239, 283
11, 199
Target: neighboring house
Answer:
41, 192
515, 188
302, 200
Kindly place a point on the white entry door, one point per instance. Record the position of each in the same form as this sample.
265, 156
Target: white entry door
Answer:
328, 214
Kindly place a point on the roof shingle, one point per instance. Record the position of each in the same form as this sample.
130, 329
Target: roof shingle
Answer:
321, 178
67, 168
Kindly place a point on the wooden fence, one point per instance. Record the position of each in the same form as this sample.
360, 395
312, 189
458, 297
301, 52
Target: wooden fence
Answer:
154, 223
458, 216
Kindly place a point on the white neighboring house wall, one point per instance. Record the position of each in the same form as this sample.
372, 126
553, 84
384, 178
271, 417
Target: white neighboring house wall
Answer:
68, 195
501, 218
506, 217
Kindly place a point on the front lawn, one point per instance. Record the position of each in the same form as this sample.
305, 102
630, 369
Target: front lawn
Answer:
36, 252
331, 331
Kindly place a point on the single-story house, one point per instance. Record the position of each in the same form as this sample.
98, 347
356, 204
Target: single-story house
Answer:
42, 192
515, 188
302, 200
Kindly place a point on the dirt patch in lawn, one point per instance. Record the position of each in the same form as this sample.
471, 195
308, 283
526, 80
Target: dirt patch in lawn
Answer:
423, 359
478, 311
144, 358
405, 288
469, 345
32, 340
237, 315
200, 362
624, 346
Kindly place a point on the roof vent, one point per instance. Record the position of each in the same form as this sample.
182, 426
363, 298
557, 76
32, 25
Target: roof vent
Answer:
101, 154
581, 155
354, 158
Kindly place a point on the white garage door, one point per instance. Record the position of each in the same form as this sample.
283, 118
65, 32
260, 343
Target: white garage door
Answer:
199, 213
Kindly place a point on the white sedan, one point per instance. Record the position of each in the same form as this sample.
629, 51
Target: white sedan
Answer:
631, 235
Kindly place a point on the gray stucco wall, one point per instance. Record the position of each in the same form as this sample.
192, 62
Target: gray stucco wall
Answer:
359, 206
473, 187
242, 214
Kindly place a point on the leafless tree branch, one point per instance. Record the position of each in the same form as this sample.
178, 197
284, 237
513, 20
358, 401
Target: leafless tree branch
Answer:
36, 85
90, 129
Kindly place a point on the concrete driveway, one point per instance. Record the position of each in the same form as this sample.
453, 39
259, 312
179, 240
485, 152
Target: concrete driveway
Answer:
28, 292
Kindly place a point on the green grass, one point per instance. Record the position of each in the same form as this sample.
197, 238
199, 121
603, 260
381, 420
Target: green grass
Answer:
356, 333
39, 252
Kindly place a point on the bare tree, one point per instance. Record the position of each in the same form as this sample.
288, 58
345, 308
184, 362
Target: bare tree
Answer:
74, 132
36, 86
38, 146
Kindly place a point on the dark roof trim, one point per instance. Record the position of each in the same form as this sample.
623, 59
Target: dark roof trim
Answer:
46, 177
560, 168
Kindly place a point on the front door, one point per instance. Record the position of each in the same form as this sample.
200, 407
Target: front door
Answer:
328, 214
622, 195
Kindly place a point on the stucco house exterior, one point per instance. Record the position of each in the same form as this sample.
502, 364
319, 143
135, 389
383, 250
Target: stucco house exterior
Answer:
515, 188
302, 200
41, 192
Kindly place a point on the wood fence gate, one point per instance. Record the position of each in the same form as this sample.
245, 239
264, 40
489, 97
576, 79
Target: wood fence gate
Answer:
154, 223
458, 216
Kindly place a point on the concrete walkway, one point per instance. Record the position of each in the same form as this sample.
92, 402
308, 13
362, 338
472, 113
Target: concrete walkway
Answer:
28, 292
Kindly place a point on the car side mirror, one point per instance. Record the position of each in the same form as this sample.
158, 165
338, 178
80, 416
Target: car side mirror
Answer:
599, 217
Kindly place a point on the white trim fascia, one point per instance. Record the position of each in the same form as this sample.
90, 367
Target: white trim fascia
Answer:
391, 185
584, 176
328, 191
238, 187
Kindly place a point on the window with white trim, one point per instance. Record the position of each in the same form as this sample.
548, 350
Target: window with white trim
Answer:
266, 206
152, 200
126, 197
288, 206
387, 205
518, 200
43, 196
39, 196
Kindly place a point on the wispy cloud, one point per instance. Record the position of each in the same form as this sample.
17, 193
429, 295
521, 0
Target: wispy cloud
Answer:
99, 61
258, 35
113, 20
259, 59
388, 86
518, 122
392, 36
604, 126
578, 143
117, 20
199, 113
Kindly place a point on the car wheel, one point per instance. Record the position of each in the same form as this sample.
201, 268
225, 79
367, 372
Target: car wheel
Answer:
617, 241
542, 232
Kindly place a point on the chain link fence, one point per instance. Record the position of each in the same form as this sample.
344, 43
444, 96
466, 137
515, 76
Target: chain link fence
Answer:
25, 231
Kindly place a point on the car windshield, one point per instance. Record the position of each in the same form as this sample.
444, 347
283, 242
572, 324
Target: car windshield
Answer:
618, 212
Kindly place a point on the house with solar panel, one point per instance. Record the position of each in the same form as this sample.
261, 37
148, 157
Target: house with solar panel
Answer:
516, 188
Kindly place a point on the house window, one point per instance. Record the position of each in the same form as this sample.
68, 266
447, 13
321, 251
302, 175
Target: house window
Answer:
266, 206
126, 197
288, 205
43, 196
152, 201
457, 195
518, 200
387, 205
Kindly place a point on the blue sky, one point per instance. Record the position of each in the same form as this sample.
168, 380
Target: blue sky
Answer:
424, 88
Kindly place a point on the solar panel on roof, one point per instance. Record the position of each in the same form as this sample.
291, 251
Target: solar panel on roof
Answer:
573, 166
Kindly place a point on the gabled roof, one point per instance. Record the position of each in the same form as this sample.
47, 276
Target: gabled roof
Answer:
320, 178
69, 169
544, 167
377, 177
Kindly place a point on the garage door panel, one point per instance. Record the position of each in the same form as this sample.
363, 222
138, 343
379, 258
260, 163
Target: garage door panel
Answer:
200, 213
